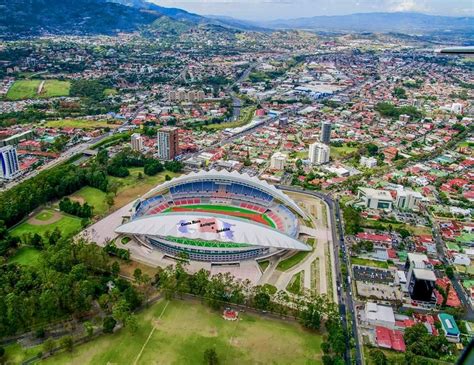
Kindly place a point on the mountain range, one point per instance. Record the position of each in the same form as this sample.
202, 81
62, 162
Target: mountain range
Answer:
33, 17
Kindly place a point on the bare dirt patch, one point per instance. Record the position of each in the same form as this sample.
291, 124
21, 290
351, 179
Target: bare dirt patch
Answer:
78, 199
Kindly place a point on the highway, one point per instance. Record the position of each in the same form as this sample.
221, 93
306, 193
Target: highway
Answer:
346, 303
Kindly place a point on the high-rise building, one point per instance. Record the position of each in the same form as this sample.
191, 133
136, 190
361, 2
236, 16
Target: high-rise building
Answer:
319, 153
167, 143
9, 166
137, 142
420, 277
325, 132
278, 161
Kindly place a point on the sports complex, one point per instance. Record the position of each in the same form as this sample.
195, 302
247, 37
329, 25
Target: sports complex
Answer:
218, 217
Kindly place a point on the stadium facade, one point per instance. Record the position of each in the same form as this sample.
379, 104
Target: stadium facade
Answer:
216, 216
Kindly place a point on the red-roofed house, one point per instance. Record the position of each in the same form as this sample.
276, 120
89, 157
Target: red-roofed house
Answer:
389, 339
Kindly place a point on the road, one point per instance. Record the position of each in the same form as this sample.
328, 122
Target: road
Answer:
455, 281
66, 155
346, 303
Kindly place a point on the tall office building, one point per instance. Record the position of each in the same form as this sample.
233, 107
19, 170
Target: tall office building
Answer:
137, 142
420, 277
319, 153
325, 132
9, 166
167, 143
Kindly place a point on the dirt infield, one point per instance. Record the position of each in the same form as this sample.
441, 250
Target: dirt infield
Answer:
250, 216
38, 222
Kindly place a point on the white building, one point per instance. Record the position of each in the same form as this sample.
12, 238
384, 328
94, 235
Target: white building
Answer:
369, 162
375, 199
408, 199
278, 161
137, 142
319, 153
379, 315
9, 166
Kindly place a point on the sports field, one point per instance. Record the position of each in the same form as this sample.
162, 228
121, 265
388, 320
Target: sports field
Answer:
178, 332
228, 210
48, 220
80, 123
37, 89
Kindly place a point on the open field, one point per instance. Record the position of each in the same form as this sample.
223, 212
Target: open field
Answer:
80, 123
93, 197
30, 89
179, 332
245, 118
26, 256
368, 262
288, 263
67, 224
416, 230
131, 187
338, 152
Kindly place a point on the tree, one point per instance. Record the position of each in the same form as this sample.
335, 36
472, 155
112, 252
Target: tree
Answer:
450, 272
262, 299
378, 357
210, 357
152, 167
89, 328
109, 199
115, 268
68, 343
109, 324
311, 316
48, 345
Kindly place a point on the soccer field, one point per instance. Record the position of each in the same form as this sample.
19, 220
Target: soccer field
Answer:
30, 89
228, 210
179, 332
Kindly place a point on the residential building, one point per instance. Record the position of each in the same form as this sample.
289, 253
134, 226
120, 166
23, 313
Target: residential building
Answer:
368, 162
375, 199
278, 161
167, 143
9, 166
325, 136
319, 153
137, 142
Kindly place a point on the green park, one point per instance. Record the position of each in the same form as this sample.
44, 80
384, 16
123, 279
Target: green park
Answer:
38, 89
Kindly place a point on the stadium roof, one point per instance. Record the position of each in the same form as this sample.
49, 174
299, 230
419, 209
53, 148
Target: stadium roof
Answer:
211, 227
234, 176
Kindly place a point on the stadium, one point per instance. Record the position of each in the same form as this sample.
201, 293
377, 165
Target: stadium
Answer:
218, 217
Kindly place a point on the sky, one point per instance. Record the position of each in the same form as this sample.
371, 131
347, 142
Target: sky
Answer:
286, 9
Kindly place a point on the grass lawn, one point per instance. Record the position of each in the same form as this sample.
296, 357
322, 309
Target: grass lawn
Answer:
368, 262
288, 263
80, 123
93, 197
68, 225
16, 354
44, 215
246, 116
295, 284
338, 152
184, 330
131, 187
26, 256
263, 264
28, 89
53, 88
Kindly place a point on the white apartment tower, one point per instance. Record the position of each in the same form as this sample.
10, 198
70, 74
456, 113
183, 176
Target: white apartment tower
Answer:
319, 153
137, 142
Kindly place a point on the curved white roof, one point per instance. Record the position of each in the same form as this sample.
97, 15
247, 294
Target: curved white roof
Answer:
234, 176
211, 227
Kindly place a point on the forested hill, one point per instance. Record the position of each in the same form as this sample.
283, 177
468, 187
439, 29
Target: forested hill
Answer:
33, 17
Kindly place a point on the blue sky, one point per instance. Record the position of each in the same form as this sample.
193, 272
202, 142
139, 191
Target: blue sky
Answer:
275, 9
